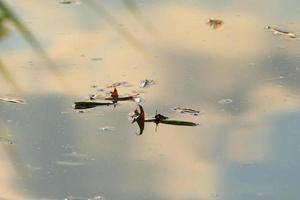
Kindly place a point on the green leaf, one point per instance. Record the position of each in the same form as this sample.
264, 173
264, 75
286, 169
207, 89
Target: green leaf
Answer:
172, 122
178, 123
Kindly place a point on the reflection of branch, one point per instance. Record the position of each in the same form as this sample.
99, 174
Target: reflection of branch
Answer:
136, 12
30, 38
9, 78
102, 12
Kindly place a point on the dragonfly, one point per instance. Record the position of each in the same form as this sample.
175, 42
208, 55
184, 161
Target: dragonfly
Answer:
108, 101
139, 118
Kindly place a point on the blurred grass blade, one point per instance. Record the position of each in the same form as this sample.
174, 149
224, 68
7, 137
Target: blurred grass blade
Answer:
8, 77
10, 150
136, 12
30, 38
103, 13
23, 30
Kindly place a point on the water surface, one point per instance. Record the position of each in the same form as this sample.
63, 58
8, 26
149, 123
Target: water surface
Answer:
242, 78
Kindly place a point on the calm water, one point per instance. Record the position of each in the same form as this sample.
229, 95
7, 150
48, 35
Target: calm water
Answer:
243, 79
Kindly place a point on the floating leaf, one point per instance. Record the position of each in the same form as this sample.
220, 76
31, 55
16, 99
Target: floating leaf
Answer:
171, 122
69, 163
6, 141
107, 128
12, 100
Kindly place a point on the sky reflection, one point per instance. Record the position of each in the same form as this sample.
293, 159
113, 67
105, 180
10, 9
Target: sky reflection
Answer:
243, 149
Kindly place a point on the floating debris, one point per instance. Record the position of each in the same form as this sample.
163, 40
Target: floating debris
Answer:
65, 2
138, 91
117, 84
33, 168
107, 128
80, 156
183, 110
68, 163
137, 99
70, 2
96, 59
12, 100
225, 101
67, 146
96, 96
215, 23
146, 83
277, 31
84, 198
274, 78
83, 111
94, 86
6, 141
100, 90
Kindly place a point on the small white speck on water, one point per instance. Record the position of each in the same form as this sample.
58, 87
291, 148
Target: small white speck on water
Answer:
225, 101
